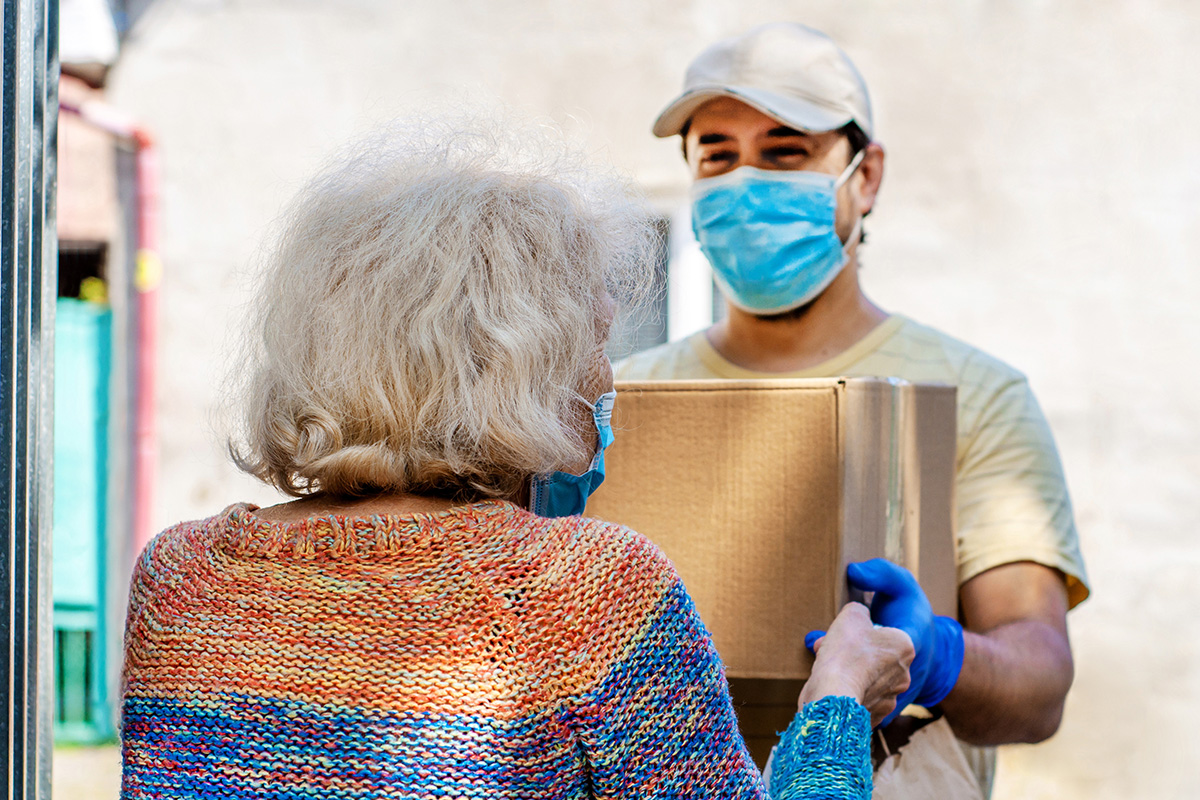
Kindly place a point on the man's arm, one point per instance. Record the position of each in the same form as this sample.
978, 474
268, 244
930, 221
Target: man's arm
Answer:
1017, 664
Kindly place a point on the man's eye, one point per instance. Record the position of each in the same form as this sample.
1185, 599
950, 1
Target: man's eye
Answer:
719, 156
786, 152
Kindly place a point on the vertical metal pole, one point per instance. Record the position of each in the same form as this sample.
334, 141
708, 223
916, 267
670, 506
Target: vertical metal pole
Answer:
28, 270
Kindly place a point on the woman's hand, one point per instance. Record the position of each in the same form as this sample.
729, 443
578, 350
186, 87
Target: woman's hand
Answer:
857, 659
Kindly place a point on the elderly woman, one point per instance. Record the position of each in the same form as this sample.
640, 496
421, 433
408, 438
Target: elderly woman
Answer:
427, 367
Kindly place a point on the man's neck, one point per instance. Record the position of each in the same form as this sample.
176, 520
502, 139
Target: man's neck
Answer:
830, 325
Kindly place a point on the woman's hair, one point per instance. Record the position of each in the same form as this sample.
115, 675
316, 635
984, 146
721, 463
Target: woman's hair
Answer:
429, 312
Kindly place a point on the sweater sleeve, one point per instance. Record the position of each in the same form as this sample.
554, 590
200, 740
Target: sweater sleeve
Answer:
825, 753
660, 722
656, 719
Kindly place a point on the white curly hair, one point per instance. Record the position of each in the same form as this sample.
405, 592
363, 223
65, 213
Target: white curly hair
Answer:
425, 319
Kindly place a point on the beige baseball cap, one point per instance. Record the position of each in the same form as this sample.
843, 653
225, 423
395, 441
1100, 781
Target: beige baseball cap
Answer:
785, 70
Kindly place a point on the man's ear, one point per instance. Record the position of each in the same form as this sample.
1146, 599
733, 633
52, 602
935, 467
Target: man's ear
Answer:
869, 176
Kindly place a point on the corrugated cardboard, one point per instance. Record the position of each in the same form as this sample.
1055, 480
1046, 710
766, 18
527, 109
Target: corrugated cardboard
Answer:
761, 492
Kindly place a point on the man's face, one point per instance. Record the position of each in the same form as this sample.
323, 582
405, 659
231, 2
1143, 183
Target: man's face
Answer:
725, 134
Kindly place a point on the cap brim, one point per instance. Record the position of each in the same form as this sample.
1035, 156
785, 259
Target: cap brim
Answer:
793, 112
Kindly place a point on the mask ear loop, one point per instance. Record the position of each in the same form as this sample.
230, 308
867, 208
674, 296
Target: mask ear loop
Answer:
851, 168
855, 235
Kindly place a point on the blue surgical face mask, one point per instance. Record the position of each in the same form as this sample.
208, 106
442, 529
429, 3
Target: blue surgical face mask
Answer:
770, 234
561, 494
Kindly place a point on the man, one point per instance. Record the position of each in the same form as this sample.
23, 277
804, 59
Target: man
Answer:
777, 132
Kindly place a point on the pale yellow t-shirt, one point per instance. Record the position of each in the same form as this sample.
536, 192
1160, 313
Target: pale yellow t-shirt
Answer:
1012, 497
1011, 493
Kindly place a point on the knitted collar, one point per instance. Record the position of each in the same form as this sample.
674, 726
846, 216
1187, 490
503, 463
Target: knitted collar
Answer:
238, 530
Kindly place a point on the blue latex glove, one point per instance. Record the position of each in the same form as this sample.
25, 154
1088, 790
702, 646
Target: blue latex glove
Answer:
900, 603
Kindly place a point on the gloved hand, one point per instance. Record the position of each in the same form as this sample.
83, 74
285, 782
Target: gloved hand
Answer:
900, 603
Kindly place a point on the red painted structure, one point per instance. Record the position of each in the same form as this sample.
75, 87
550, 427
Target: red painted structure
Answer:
147, 276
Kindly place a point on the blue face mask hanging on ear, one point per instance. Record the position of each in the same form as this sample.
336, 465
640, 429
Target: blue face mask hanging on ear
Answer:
770, 234
561, 494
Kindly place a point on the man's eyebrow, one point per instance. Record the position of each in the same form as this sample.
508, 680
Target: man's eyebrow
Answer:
784, 132
713, 138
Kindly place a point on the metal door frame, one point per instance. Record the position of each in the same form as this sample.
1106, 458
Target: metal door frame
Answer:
28, 288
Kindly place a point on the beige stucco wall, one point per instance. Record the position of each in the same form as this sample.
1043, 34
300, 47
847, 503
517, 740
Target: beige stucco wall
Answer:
1040, 201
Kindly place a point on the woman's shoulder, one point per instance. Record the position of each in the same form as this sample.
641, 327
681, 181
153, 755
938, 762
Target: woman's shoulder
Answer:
602, 551
170, 561
189, 538
629, 550
592, 573
586, 587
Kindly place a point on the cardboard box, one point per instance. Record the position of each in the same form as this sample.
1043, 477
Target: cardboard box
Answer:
761, 492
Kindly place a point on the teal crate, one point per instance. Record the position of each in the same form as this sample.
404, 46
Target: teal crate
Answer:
79, 715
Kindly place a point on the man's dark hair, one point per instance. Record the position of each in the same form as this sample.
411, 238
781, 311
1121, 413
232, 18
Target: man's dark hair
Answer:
855, 135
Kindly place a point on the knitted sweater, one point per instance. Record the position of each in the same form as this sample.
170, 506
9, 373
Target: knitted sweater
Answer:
479, 652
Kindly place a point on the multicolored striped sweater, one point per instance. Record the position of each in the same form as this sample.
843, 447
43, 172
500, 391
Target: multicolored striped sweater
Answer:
480, 652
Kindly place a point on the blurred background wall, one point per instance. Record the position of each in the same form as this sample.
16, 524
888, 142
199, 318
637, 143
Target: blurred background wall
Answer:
1040, 201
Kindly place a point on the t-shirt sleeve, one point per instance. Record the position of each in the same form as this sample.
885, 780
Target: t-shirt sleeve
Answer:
1013, 503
